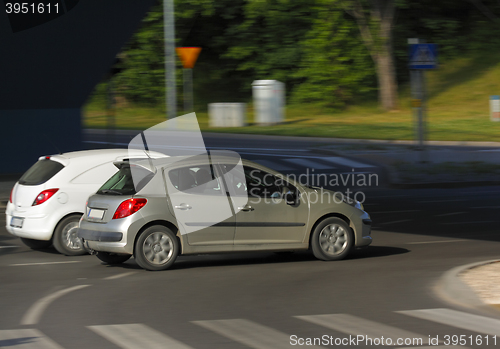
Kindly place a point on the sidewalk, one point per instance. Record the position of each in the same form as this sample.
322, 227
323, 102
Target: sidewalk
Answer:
473, 286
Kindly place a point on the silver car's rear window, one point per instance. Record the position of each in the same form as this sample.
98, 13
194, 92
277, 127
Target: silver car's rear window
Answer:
41, 172
122, 182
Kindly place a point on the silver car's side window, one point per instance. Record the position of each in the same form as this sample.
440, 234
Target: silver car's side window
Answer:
254, 183
198, 179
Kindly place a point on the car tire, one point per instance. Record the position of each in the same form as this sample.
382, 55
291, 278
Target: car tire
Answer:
65, 237
332, 239
156, 248
113, 258
36, 244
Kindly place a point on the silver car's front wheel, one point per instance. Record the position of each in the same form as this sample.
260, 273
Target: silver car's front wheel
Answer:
157, 248
332, 239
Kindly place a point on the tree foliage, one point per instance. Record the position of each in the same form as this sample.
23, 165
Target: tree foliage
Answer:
336, 66
325, 51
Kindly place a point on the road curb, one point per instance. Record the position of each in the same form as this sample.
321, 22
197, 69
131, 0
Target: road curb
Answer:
453, 290
101, 131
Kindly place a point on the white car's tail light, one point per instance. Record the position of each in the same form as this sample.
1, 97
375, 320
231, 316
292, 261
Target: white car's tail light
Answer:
129, 207
44, 196
10, 197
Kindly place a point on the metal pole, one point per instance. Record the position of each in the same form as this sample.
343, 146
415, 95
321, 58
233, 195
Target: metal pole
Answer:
110, 104
418, 106
170, 83
188, 90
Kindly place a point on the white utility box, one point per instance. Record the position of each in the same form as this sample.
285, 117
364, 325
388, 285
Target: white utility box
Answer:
268, 101
227, 114
495, 108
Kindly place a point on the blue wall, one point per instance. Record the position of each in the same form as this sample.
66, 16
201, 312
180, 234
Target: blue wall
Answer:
49, 67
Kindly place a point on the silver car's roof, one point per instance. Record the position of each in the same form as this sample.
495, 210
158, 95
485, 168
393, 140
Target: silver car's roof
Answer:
154, 165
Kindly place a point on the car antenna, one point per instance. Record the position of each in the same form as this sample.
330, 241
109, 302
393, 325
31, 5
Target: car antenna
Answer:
50, 141
149, 158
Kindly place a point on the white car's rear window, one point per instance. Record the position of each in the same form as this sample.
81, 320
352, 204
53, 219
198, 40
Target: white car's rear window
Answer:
41, 172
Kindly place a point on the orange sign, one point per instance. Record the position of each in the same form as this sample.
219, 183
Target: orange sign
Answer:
188, 55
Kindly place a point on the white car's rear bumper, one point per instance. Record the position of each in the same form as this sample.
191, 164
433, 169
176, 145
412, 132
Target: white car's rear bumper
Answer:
35, 226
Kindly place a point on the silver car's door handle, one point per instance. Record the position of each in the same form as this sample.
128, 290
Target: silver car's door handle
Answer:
246, 208
183, 207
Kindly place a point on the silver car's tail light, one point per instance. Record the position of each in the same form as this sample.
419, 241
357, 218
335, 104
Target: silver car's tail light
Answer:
129, 207
44, 196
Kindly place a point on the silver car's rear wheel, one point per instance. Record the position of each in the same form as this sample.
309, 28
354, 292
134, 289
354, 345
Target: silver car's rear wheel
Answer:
157, 248
332, 239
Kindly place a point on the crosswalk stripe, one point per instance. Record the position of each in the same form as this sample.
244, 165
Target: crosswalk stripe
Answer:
355, 326
249, 333
274, 165
309, 164
454, 318
133, 336
26, 339
346, 162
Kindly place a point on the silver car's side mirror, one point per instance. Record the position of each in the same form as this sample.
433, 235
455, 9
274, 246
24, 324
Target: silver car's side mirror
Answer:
290, 197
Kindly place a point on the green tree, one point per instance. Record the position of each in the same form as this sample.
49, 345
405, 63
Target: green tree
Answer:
336, 65
266, 44
375, 19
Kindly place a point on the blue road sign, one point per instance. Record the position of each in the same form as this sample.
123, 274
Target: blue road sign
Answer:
423, 56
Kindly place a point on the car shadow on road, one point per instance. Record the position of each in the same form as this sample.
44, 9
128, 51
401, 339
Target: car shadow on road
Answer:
256, 258
378, 251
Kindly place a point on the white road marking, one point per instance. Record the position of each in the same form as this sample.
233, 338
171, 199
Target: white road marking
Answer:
8, 246
133, 336
118, 276
309, 163
249, 333
346, 162
454, 318
396, 222
273, 165
477, 222
449, 214
35, 312
43, 263
435, 242
354, 325
28, 338
402, 211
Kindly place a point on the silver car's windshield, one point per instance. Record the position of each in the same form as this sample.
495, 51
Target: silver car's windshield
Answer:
122, 182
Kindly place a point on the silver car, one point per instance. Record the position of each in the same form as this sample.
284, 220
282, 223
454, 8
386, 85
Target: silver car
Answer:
156, 210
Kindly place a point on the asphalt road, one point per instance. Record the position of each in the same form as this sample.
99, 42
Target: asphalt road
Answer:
383, 291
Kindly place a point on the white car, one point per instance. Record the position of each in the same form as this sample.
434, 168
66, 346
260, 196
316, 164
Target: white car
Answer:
47, 202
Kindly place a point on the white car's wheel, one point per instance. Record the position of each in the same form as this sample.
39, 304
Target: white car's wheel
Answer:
66, 240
